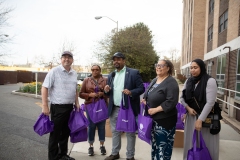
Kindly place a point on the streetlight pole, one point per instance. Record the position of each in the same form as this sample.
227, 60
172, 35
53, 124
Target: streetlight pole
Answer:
99, 17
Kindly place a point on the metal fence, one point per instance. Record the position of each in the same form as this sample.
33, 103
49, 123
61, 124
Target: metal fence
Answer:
228, 98
11, 77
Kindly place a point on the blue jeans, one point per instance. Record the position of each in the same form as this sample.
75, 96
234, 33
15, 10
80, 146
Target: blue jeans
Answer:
92, 128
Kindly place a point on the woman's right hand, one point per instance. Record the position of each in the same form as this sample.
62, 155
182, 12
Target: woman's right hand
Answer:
143, 101
191, 111
93, 95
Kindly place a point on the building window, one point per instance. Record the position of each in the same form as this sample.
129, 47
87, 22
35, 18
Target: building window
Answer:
209, 67
210, 33
223, 21
238, 75
221, 65
211, 6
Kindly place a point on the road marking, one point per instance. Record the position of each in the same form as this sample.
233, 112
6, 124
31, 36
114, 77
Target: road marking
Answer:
39, 104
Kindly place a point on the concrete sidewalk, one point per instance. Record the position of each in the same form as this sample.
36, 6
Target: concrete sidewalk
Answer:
229, 145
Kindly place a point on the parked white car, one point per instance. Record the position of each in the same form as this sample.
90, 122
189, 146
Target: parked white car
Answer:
79, 82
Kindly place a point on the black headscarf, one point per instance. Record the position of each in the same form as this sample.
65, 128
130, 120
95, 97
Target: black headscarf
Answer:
202, 78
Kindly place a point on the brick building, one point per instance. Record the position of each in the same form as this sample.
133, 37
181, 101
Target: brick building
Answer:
211, 31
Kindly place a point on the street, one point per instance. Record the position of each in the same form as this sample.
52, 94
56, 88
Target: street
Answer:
18, 114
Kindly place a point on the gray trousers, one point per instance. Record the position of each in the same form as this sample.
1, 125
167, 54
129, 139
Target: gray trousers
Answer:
116, 137
211, 141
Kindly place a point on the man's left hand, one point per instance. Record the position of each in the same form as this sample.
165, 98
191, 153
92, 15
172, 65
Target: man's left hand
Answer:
127, 92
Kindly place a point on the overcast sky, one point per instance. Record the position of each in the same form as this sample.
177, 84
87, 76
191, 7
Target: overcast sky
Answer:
40, 27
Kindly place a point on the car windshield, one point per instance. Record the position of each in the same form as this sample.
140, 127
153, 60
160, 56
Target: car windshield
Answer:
81, 76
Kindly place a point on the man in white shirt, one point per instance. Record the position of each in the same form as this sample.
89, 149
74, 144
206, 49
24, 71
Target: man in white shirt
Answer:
60, 85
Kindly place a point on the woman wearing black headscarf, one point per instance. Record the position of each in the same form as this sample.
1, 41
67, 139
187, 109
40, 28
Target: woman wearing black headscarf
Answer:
199, 95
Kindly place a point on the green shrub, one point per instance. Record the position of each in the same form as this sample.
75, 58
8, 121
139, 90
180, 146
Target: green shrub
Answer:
31, 88
78, 88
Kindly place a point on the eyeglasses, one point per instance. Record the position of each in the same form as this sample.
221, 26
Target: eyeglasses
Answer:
160, 65
94, 70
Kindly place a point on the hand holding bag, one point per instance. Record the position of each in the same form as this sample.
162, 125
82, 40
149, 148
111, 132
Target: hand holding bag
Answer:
126, 121
43, 125
200, 153
144, 125
97, 110
77, 120
181, 111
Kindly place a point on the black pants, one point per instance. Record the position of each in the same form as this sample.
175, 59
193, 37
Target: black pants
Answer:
58, 139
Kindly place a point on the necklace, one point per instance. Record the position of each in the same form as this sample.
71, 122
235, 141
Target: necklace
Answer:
158, 82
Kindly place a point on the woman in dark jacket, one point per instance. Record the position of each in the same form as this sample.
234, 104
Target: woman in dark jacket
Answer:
162, 98
87, 92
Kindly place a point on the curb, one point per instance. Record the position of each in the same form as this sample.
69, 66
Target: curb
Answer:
26, 94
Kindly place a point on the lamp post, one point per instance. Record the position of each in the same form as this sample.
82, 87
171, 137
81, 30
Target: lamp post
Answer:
99, 17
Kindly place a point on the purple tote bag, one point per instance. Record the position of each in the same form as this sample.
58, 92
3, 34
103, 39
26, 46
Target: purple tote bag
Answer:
181, 111
126, 121
77, 120
43, 125
79, 136
97, 110
200, 153
144, 125
82, 107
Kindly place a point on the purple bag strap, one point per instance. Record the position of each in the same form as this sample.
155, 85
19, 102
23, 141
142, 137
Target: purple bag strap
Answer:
142, 108
201, 141
96, 83
122, 101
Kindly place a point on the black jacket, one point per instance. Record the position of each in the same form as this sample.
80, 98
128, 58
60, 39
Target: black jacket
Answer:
166, 94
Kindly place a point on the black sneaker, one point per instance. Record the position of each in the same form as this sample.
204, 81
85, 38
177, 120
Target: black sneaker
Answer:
103, 150
66, 157
90, 151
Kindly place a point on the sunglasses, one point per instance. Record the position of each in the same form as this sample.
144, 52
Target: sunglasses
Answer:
94, 70
160, 65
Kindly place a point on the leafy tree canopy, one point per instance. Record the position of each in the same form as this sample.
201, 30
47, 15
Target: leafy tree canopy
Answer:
136, 43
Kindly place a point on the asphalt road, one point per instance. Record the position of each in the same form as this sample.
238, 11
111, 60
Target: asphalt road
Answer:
18, 114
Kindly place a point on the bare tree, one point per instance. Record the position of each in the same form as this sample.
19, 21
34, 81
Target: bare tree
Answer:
54, 59
173, 52
174, 58
4, 38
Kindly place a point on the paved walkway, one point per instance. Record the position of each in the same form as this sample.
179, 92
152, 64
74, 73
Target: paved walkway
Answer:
229, 145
